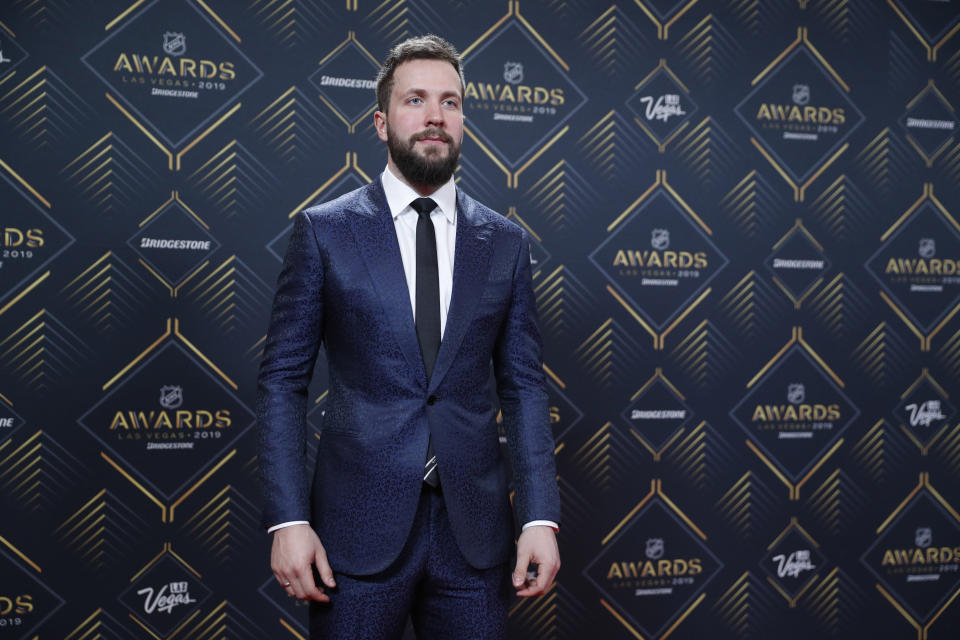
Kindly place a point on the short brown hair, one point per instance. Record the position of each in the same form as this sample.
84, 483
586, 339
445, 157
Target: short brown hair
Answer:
428, 47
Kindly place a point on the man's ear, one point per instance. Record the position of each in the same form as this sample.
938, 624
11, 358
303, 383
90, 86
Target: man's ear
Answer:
380, 122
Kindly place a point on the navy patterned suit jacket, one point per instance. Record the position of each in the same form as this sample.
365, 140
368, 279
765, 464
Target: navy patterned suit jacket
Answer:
342, 285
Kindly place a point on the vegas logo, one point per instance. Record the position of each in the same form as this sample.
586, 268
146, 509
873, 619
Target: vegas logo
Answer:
791, 561
794, 564
166, 598
165, 593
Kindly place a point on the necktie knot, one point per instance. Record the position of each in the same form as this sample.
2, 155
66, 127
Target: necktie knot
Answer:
423, 206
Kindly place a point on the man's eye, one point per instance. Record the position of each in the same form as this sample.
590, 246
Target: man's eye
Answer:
415, 100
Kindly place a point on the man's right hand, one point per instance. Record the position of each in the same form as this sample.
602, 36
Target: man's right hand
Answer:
295, 549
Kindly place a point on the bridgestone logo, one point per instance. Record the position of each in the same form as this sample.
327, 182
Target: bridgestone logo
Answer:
510, 117
173, 93
923, 123
780, 263
157, 243
658, 414
924, 578
169, 445
662, 591
351, 83
790, 135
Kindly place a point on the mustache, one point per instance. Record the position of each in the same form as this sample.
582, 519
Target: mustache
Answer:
433, 133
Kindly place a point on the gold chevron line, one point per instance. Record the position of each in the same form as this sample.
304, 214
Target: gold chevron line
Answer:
142, 129
533, 158
133, 481
79, 511
326, 184
140, 357
931, 51
214, 272
906, 214
230, 145
219, 20
205, 132
643, 196
603, 15
199, 482
663, 30
30, 287
217, 611
80, 626
620, 618
123, 14
209, 363
540, 39
21, 555
902, 504
26, 185
900, 609
84, 272
629, 516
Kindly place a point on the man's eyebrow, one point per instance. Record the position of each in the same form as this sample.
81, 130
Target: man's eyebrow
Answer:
445, 92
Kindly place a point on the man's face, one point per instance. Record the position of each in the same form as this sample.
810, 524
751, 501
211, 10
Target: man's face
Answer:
423, 127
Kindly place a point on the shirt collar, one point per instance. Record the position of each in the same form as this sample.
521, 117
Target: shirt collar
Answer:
400, 195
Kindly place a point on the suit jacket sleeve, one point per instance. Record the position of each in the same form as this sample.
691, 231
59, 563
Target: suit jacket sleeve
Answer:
521, 387
292, 343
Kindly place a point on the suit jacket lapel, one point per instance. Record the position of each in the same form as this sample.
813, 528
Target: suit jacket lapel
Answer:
470, 267
376, 238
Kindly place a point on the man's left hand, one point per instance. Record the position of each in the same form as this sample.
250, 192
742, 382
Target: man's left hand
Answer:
536, 544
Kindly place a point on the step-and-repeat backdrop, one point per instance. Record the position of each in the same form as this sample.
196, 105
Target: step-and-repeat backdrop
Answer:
746, 226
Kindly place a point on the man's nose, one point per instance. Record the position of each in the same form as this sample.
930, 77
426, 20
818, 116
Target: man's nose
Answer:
434, 115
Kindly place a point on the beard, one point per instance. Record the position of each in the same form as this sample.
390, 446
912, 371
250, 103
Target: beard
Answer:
432, 168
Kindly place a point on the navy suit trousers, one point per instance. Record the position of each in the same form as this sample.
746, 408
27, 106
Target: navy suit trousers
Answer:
430, 582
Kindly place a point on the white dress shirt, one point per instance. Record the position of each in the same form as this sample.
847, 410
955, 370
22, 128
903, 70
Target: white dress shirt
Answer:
444, 219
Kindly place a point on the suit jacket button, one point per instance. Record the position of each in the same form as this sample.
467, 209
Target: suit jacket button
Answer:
432, 400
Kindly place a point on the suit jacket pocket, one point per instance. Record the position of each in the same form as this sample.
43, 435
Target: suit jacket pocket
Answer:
496, 290
338, 432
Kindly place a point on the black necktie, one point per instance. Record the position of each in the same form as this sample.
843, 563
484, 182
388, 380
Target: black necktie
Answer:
427, 315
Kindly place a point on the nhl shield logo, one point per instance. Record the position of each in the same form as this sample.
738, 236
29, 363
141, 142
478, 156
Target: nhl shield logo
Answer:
660, 239
796, 393
513, 72
655, 548
924, 537
801, 94
171, 397
174, 44
928, 247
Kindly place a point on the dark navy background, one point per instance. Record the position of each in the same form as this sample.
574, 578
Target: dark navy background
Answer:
90, 324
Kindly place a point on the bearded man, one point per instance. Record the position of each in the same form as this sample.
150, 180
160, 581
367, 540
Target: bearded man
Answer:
413, 289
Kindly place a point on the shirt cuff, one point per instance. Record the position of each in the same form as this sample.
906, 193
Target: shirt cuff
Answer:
286, 524
542, 523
